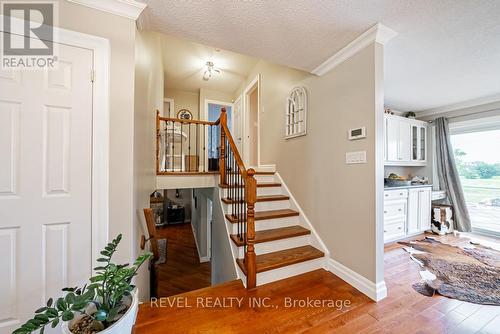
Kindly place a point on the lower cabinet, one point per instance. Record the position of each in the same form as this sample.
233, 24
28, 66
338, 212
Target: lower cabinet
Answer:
406, 212
419, 210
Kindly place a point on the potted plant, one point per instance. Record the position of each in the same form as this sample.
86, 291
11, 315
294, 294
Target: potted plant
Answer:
107, 305
411, 114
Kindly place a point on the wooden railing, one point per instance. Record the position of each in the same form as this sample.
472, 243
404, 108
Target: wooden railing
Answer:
186, 146
176, 138
242, 193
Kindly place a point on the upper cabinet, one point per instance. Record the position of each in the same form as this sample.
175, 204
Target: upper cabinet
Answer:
405, 141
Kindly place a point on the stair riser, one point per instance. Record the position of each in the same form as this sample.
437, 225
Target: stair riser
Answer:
262, 191
272, 223
265, 178
265, 191
289, 271
277, 245
264, 206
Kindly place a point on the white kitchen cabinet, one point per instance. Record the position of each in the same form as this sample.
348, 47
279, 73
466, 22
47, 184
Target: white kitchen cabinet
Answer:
424, 201
413, 208
419, 210
405, 141
392, 139
406, 212
418, 143
395, 214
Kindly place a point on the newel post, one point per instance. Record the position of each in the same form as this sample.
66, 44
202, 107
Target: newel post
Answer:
251, 198
222, 159
158, 136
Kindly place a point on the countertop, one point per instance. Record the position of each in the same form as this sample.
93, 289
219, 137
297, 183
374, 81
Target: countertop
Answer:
408, 187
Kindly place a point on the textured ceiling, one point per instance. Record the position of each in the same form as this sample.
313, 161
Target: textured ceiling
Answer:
447, 51
184, 64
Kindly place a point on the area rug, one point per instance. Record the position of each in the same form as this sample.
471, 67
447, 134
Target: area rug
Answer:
467, 274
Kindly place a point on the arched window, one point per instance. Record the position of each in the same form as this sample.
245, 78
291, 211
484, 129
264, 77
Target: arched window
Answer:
296, 113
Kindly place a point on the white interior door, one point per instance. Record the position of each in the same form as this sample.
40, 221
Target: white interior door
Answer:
238, 124
45, 183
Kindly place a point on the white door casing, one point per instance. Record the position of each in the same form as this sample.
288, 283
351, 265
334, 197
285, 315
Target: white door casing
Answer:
204, 117
238, 124
246, 126
54, 178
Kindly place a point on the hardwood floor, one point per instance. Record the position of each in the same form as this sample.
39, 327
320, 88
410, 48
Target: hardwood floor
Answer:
403, 311
183, 271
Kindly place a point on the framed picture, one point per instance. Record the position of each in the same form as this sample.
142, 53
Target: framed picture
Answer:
184, 114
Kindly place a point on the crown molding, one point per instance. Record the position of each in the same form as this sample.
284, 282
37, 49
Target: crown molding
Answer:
126, 8
378, 33
483, 104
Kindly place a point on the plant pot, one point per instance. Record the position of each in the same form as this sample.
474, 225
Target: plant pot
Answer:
122, 326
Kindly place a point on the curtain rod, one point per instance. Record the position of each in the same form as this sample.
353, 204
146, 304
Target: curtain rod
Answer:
469, 114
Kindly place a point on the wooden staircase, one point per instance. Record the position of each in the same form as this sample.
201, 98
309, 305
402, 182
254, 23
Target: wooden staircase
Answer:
281, 240
270, 238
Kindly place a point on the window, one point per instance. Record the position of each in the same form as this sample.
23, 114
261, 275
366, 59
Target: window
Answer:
478, 163
296, 113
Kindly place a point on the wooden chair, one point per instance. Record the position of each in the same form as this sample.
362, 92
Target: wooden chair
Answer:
152, 238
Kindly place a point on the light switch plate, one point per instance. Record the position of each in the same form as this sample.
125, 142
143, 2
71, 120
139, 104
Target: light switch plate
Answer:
358, 157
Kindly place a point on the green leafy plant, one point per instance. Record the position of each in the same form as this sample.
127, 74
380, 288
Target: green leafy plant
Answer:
107, 289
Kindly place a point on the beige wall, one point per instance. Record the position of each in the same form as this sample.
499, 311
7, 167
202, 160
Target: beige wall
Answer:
340, 200
195, 101
275, 83
184, 100
148, 99
121, 34
199, 219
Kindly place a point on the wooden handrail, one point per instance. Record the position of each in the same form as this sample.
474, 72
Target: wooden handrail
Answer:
250, 198
228, 154
195, 158
230, 139
182, 120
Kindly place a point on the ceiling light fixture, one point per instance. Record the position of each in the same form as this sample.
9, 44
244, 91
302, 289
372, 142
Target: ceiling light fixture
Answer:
210, 68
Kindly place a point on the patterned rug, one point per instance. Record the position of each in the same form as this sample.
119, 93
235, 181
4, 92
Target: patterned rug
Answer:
467, 274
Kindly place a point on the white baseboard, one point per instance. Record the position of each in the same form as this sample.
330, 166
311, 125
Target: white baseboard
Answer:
196, 242
375, 291
204, 259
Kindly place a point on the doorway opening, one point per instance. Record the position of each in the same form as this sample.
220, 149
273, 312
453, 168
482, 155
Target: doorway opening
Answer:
213, 110
478, 163
182, 218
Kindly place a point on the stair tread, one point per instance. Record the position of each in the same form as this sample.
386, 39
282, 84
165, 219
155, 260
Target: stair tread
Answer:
256, 173
266, 198
264, 215
259, 185
273, 234
274, 260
